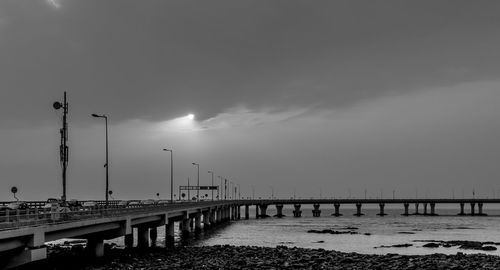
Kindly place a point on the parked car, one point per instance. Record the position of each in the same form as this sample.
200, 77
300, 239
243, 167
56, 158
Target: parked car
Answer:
133, 203
74, 203
123, 203
17, 205
89, 205
148, 202
56, 206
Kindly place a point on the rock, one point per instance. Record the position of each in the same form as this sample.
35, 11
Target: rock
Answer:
431, 245
488, 248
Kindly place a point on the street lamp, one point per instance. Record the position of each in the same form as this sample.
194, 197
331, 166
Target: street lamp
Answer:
212, 184
107, 162
219, 192
63, 148
198, 189
171, 174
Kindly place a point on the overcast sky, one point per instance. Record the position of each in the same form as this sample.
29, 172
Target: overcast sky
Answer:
324, 97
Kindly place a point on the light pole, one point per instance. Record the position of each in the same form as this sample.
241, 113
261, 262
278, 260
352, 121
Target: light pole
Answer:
198, 188
219, 192
63, 150
212, 184
253, 192
107, 162
239, 192
225, 189
171, 174
272, 192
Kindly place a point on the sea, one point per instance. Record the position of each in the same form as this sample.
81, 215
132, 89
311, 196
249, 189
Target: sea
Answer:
392, 229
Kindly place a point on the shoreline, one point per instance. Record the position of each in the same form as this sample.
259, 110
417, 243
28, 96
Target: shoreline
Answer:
254, 257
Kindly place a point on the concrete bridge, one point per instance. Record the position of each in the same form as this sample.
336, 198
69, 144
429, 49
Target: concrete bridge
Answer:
24, 232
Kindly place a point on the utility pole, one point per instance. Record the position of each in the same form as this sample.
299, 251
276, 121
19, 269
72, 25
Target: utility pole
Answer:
63, 148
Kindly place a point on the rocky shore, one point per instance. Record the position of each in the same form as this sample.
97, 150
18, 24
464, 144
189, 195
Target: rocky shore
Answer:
281, 257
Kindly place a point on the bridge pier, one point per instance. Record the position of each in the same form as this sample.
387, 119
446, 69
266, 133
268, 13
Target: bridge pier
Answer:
197, 223
142, 237
238, 211
337, 210
169, 233
316, 212
129, 240
381, 206
433, 209
358, 210
263, 210
480, 209
472, 210
185, 227
256, 211
407, 206
153, 235
206, 220
462, 212
416, 209
35, 251
212, 217
279, 210
297, 212
425, 209
247, 211
218, 215
95, 247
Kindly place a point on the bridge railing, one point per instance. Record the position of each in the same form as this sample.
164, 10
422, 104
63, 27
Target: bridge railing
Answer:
11, 219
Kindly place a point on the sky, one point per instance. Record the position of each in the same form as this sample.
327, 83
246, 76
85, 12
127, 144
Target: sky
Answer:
322, 98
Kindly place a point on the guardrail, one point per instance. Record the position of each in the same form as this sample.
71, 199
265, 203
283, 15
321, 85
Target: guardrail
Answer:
13, 219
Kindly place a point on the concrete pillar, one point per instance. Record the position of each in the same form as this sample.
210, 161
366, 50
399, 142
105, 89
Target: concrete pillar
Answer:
472, 210
381, 206
358, 210
197, 221
257, 211
212, 217
238, 212
337, 210
433, 208
297, 212
185, 227
416, 209
129, 240
219, 215
247, 211
36, 250
316, 212
263, 210
407, 206
480, 209
95, 247
279, 210
153, 235
191, 224
169, 233
206, 219
462, 206
142, 237
425, 208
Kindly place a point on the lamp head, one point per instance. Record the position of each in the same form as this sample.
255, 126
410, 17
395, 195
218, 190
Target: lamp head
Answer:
57, 105
96, 115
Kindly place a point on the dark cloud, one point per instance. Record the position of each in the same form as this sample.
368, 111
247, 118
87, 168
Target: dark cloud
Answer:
157, 60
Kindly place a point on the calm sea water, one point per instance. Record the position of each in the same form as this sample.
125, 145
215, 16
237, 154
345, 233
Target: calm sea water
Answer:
388, 230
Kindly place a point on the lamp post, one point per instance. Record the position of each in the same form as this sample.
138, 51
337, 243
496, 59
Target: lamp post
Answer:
198, 189
239, 192
63, 148
212, 184
107, 161
219, 192
171, 174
